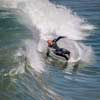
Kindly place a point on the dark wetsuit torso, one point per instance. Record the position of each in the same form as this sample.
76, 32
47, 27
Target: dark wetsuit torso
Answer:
60, 51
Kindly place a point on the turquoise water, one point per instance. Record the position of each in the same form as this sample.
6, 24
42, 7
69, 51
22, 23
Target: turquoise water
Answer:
55, 84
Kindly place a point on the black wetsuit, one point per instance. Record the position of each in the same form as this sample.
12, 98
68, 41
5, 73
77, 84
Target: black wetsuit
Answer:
60, 51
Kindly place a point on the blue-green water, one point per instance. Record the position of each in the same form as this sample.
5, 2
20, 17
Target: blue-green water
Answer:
55, 84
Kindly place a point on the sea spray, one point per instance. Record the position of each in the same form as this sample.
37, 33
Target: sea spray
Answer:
50, 18
33, 57
60, 21
51, 21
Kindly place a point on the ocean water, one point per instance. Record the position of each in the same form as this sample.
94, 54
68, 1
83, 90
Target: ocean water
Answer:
21, 82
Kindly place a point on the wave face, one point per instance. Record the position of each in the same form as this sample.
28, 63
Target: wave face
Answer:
51, 21
43, 20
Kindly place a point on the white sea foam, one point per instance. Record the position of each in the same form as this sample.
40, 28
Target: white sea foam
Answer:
51, 20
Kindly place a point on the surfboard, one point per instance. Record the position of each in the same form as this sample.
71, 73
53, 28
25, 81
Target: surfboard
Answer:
60, 61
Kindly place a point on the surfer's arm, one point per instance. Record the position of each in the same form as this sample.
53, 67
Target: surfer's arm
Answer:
60, 37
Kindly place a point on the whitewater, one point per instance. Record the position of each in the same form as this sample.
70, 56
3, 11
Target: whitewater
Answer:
47, 21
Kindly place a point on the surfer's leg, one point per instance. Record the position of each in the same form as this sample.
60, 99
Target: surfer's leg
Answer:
60, 53
48, 52
66, 53
63, 55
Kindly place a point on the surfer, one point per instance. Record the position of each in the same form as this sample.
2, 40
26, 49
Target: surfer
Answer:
57, 50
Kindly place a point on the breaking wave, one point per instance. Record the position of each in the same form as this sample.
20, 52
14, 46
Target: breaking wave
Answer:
46, 21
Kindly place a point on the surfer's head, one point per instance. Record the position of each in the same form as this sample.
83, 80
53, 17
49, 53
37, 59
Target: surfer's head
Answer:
50, 42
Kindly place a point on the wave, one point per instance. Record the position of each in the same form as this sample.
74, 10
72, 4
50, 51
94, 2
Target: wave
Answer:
46, 21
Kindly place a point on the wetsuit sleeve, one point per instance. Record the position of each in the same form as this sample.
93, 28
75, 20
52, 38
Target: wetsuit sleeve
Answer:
60, 37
